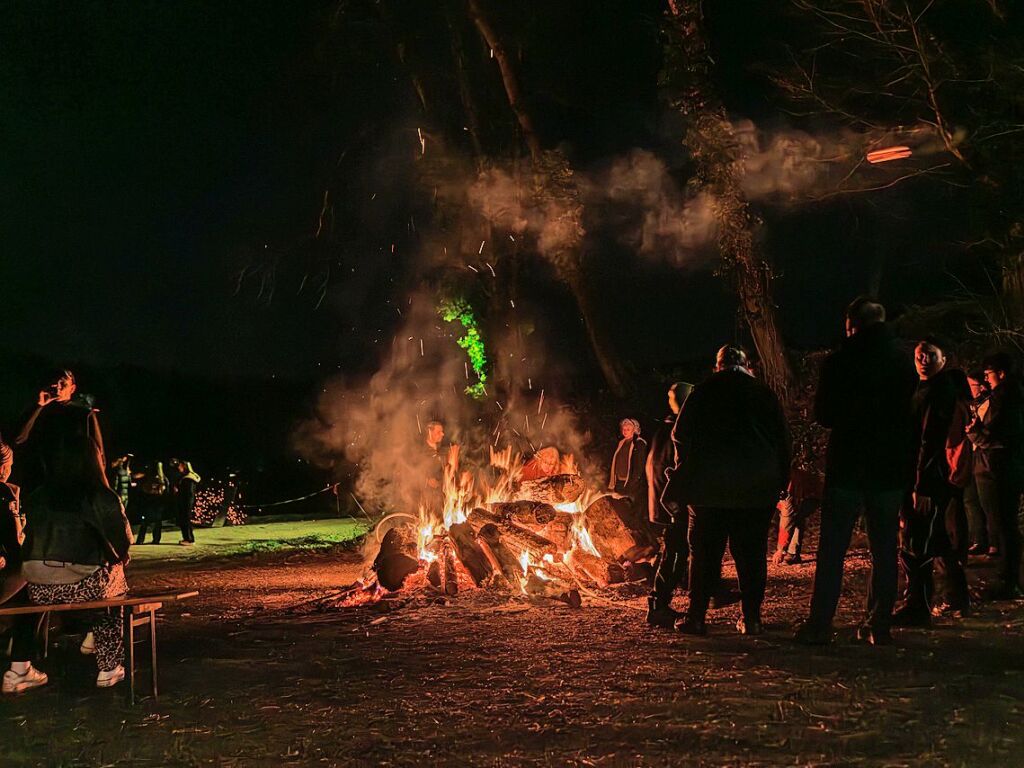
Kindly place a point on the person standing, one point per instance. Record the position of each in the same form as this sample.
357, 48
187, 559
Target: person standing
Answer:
121, 478
442, 464
153, 500
934, 526
998, 438
981, 510
673, 561
626, 475
864, 395
734, 451
185, 500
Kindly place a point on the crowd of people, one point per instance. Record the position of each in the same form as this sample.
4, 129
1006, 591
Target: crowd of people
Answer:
930, 457
65, 535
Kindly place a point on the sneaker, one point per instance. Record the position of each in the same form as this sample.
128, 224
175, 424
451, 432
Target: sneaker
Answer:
88, 646
186, 543
794, 559
688, 626
978, 549
110, 678
15, 683
660, 614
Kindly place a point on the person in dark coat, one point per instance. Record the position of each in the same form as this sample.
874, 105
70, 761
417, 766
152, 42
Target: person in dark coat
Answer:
673, 560
978, 500
185, 500
626, 477
734, 452
152, 501
934, 525
61, 437
998, 438
863, 396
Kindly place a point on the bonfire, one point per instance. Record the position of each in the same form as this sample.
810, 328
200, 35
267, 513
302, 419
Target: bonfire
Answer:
547, 538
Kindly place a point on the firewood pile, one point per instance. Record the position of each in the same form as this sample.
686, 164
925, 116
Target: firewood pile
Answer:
544, 544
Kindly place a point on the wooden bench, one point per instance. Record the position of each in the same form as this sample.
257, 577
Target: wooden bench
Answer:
140, 611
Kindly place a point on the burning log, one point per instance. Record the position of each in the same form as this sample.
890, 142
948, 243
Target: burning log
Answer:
450, 569
396, 559
434, 574
470, 554
503, 558
553, 588
557, 489
540, 518
602, 572
516, 536
608, 529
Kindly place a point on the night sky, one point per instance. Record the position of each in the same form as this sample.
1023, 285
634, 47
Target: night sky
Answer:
144, 144
149, 146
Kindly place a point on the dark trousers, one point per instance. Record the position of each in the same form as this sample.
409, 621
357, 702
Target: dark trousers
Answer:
746, 531
979, 501
938, 538
1006, 490
185, 524
152, 516
673, 563
840, 510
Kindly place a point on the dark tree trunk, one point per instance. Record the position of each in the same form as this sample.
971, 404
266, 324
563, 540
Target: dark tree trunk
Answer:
710, 139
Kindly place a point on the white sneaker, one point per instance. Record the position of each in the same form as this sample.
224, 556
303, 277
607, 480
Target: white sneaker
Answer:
111, 678
15, 683
88, 646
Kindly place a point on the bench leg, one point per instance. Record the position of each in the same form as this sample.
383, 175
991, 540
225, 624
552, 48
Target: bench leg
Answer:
129, 653
152, 650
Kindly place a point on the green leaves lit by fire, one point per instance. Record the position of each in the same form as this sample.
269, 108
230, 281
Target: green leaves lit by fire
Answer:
460, 310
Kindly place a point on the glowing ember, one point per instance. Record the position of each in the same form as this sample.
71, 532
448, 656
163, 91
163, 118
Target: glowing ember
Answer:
887, 154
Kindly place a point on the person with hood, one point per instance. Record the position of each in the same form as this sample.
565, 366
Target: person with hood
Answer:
998, 438
864, 394
734, 450
934, 530
673, 561
185, 500
77, 538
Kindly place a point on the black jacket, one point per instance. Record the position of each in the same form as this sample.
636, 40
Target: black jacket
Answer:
939, 406
76, 525
864, 397
62, 442
733, 445
660, 456
999, 436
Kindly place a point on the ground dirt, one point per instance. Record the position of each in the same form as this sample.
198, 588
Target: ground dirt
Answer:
255, 674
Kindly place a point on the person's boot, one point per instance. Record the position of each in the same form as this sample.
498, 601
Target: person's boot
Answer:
912, 616
691, 626
809, 633
749, 626
660, 613
874, 635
